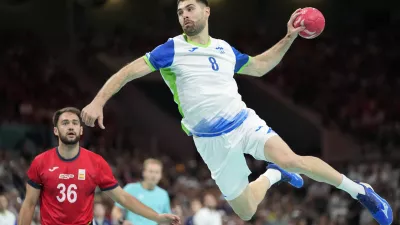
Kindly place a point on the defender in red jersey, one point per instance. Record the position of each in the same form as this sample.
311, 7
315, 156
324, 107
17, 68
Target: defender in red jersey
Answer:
64, 179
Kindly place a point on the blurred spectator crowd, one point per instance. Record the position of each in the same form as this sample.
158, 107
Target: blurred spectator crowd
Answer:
33, 81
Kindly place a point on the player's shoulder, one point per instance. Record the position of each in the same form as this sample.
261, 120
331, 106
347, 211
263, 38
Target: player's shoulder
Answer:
91, 156
177, 38
220, 42
46, 154
88, 153
173, 40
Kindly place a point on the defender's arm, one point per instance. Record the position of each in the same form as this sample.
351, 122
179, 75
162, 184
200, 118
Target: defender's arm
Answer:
28, 206
132, 204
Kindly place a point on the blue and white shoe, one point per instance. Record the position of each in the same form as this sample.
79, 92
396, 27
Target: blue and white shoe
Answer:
376, 205
293, 179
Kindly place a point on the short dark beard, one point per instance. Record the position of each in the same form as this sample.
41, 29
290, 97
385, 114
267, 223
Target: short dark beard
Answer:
195, 30
66, 141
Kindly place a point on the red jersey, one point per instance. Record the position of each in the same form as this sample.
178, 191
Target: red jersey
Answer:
68, 185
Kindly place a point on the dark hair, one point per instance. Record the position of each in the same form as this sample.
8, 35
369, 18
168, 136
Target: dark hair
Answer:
59, 112
205, 2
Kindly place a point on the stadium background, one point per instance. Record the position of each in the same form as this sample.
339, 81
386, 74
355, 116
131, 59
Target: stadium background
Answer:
336, 96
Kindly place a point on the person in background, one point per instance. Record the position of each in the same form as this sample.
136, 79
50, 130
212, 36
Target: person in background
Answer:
6, 217
99, 215
147, 192
195, 206
208, 215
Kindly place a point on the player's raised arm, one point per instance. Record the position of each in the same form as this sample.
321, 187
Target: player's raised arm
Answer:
263, 63
132, 204
28, 206
133, 70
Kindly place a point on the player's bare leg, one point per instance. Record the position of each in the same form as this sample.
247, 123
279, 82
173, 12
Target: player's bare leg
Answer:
278, 152
246, 204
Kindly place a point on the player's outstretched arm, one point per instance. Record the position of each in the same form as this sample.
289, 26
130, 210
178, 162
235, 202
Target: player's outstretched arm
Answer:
28, 206
132, 204
265, 62
94, 110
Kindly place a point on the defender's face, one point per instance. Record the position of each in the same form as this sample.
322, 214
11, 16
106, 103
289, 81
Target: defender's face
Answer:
192, 16
69, 129
152, 173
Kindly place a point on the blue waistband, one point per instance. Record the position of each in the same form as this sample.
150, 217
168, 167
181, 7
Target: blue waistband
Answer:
219, 126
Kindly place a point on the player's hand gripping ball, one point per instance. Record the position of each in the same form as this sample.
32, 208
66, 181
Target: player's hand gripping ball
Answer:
313, 21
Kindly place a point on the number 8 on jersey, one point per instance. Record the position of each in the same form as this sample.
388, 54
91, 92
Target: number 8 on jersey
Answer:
214, 64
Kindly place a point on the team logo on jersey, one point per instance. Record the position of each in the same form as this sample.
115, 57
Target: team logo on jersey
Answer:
65, 176
220, 49
193, 49
81, 174
54, 168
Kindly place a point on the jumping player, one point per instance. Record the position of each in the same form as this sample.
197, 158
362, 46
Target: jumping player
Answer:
199, 70
64, 179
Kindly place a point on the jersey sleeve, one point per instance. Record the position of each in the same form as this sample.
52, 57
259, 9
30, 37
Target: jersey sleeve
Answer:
162, 56
33, 173
241, 60
105, 179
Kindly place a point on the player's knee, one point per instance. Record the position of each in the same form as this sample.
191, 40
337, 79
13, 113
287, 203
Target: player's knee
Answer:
248, 214
245, 210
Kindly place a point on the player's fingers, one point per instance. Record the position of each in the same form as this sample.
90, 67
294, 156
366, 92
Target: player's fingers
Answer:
294, 16
100, 121
85, 118
92, 120
82, 116
89, 120
298, 10
299, 29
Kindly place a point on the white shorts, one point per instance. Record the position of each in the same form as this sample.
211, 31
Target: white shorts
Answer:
224, 154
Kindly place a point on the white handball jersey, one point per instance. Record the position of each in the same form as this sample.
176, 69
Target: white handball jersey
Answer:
201, 80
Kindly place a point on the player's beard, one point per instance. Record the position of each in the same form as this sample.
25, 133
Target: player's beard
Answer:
195, 28
65, 140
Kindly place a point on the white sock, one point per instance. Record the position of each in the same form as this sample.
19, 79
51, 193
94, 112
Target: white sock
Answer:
351, 187
273, 175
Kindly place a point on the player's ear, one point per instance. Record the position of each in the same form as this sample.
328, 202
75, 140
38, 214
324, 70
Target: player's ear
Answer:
207, 10
81, 131
55, 131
